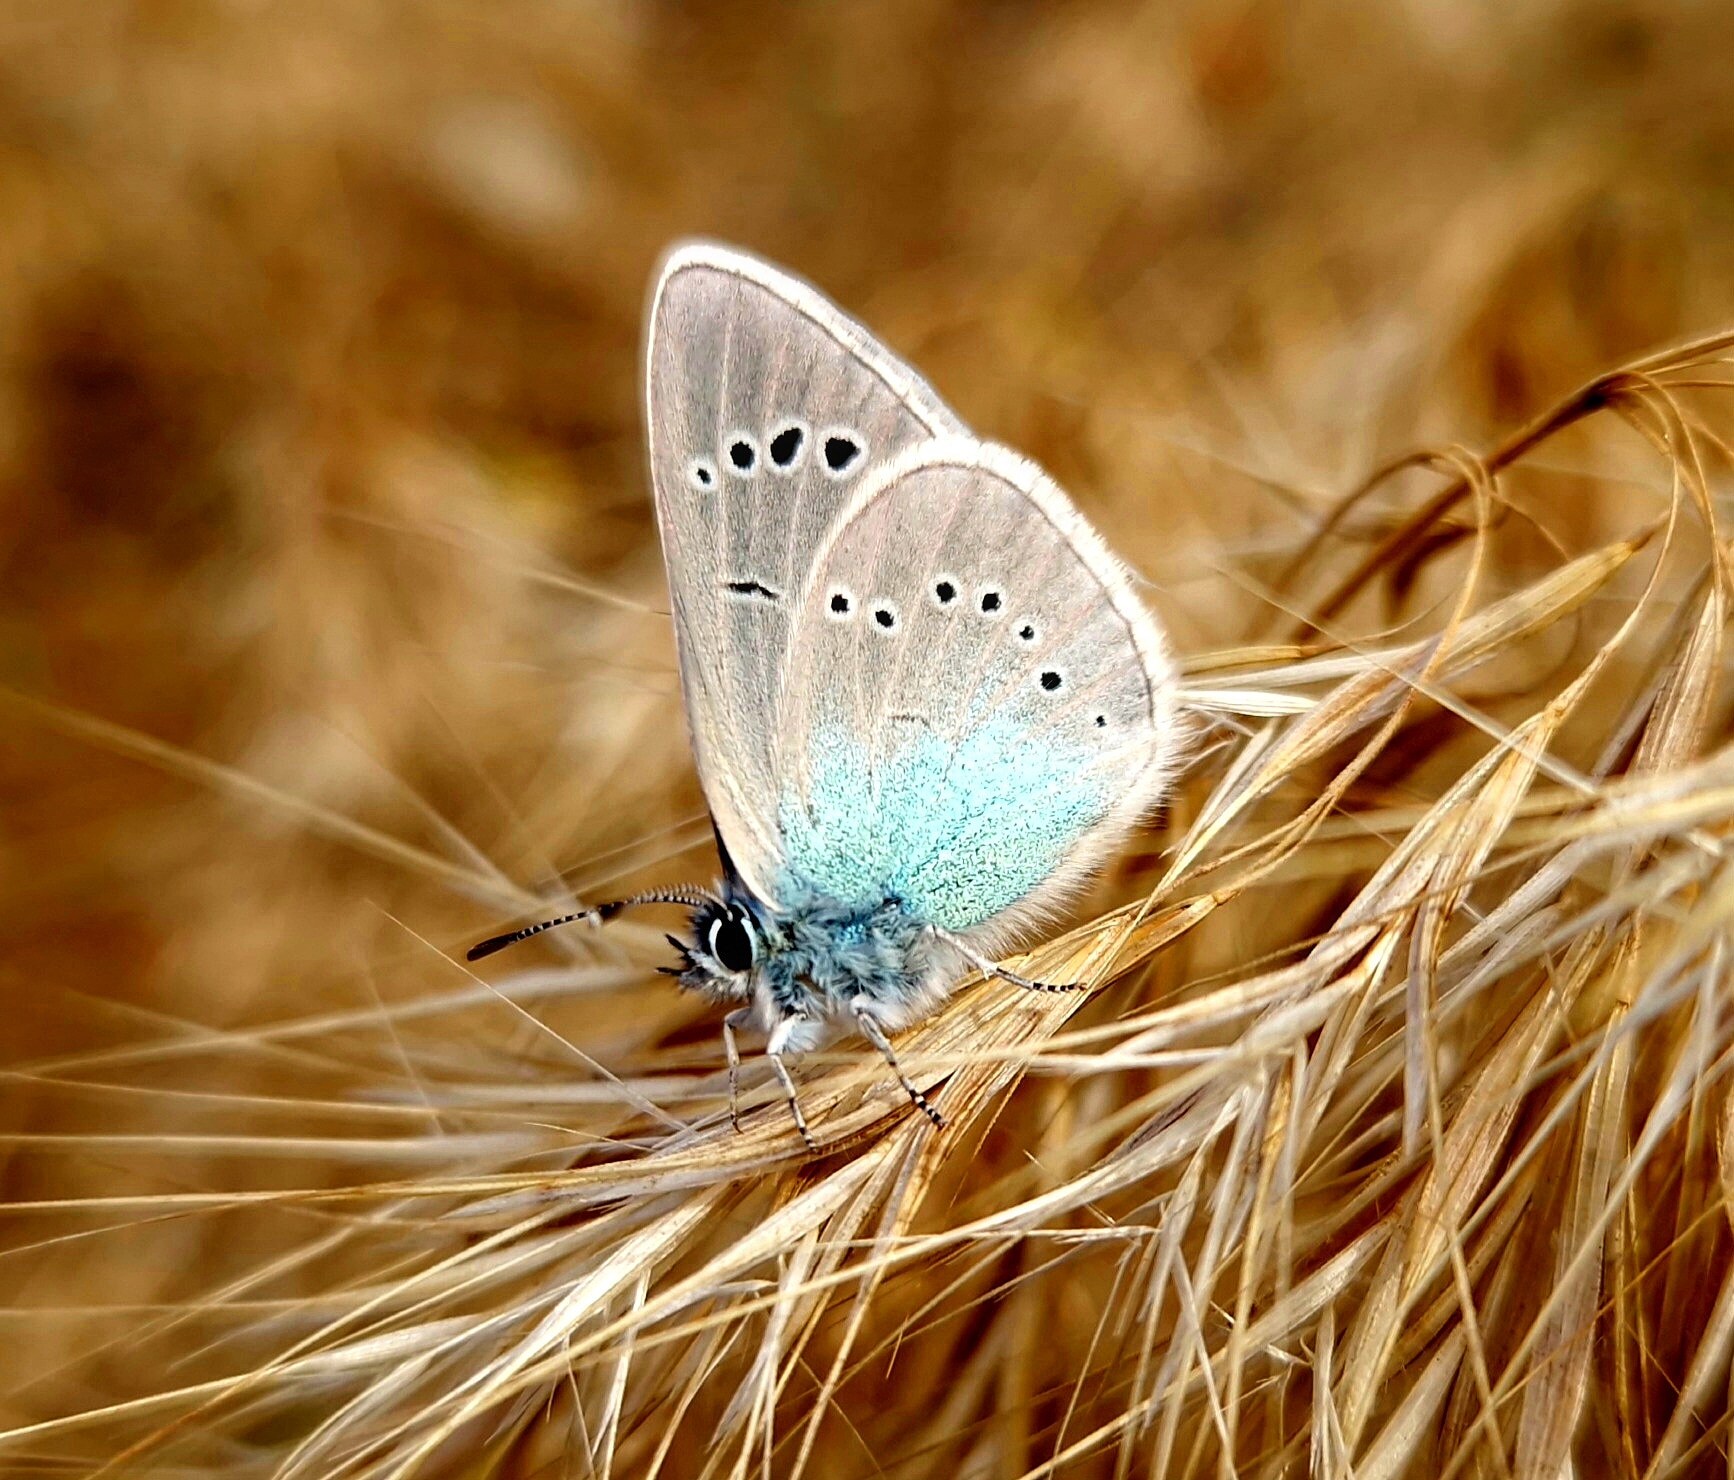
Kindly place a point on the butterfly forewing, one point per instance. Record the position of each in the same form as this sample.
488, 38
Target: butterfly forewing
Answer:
976, 706
767, 409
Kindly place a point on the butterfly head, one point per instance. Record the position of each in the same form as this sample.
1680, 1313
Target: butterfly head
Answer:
729, 943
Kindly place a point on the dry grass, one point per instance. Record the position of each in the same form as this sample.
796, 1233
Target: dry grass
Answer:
1395, 1138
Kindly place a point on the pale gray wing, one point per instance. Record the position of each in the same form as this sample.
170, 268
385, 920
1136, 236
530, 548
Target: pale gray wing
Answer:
977, 707
766, 409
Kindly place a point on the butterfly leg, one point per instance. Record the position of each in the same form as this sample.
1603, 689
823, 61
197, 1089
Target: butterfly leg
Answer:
774, 1052
736, 1019
988, 968
874, 1034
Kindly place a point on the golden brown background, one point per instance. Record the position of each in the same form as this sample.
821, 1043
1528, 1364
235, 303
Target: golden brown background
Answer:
329, 593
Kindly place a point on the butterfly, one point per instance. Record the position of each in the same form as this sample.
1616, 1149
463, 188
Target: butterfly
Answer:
924, 699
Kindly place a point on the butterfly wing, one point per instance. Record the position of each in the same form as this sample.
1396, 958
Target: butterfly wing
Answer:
977, 707
767, 408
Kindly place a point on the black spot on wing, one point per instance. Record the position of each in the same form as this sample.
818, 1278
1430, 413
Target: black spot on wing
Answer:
842, 451
756, 589
786, 446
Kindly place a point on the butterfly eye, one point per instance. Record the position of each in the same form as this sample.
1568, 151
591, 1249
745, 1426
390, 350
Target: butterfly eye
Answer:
732, 942
842, 450
787, 444
701, 473
743, 454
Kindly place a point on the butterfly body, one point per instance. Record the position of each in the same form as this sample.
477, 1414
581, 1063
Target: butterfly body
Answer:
817, 962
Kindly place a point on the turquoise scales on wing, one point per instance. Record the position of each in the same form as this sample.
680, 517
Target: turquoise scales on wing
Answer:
958, 832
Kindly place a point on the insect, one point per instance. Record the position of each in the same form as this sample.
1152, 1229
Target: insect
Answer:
924, 699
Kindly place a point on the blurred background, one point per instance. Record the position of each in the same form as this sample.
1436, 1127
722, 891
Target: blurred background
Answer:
330, 604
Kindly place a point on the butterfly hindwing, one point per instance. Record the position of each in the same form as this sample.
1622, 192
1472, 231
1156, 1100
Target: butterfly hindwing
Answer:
768, 409
976, 706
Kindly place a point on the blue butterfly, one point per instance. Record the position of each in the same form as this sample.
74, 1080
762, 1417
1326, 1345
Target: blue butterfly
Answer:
924, 699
